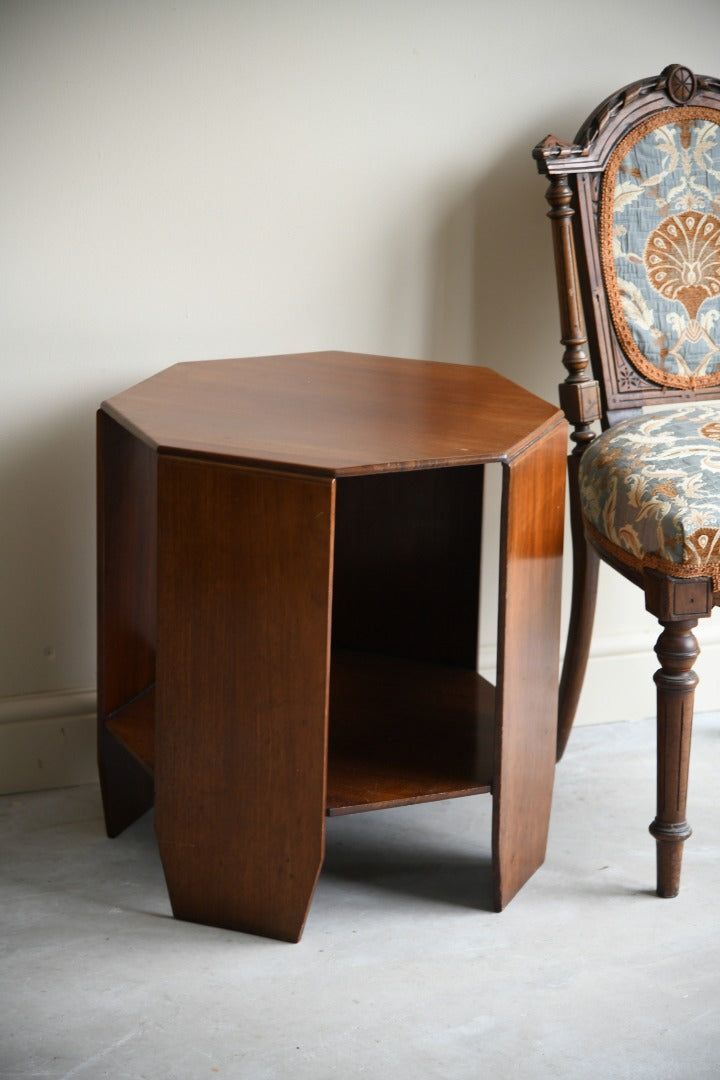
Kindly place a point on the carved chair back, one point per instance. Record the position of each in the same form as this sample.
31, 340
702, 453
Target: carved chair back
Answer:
635, 206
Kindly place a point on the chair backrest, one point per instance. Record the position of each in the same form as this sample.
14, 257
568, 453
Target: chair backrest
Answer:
635, 206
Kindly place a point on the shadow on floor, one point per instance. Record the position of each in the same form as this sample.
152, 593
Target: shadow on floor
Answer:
425, 867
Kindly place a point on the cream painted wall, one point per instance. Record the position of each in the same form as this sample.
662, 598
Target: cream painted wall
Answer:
186, 180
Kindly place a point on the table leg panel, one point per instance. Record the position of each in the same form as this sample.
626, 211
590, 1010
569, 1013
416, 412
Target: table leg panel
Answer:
245, 560
528, 658
126, 531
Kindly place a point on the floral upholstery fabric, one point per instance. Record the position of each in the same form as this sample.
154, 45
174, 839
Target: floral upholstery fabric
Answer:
660, 230
650, 491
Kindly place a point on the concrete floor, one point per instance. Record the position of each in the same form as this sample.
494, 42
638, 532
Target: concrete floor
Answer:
402, 971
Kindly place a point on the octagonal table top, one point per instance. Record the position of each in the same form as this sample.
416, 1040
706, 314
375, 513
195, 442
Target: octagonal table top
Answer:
334, 413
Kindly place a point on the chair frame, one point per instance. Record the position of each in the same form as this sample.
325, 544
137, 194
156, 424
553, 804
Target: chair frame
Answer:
602, 385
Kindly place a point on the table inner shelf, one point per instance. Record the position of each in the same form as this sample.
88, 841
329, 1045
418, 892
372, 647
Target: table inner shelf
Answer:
134, 726
400, 732
404, 731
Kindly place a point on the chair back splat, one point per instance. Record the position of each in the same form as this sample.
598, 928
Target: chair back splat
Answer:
635, 212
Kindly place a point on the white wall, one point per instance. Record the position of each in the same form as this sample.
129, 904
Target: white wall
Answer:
186, 180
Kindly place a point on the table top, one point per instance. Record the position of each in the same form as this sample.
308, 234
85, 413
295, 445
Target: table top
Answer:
334, 413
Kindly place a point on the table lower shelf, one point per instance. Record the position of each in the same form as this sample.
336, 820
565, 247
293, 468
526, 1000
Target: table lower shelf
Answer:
405, 732
400, 732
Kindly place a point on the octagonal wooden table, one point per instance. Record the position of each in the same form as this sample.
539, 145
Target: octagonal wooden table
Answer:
289, 567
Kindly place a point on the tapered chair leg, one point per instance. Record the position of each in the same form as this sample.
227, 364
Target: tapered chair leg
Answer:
677, 650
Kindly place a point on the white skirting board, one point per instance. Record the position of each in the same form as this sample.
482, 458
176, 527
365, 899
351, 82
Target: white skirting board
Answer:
619, 685
48, 740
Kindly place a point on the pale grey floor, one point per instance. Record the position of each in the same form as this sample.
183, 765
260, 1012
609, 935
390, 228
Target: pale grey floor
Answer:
402, 971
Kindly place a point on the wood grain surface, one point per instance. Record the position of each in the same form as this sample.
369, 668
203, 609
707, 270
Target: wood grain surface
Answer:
288, 612
334, 412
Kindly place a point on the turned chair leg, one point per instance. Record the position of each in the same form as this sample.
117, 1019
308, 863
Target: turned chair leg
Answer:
677, 650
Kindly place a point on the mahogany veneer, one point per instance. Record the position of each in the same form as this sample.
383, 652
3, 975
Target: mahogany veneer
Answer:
289, 561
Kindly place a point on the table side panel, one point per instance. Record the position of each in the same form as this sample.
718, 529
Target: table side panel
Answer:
245, 561
126, 566
528, 659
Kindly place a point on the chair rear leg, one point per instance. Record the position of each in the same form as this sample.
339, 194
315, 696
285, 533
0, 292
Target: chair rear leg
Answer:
582, 615
677, 650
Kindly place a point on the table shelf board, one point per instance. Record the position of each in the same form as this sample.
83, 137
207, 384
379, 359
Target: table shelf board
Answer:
400, 732
134, 726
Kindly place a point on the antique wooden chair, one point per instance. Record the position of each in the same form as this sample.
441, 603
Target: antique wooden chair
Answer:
635, 211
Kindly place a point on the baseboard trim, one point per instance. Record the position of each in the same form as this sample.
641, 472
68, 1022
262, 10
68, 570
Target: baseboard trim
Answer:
619, 683
48, 740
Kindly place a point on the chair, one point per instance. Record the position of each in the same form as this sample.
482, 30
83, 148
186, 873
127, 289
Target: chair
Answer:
635, 212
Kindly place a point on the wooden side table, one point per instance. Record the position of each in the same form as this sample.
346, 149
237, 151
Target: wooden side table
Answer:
289, 556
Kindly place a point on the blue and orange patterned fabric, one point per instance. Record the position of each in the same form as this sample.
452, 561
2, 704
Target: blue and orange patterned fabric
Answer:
660, 237
650, 491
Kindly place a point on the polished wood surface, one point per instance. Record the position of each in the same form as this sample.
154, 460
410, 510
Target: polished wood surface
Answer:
403, 732
528, 646
134, 726
336, 413
126, 503
306, 640
677, 650
242, 677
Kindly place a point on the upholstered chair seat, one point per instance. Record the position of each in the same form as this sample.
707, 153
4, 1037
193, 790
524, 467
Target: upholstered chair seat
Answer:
650, 491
